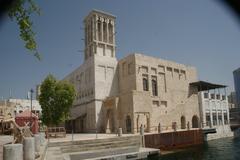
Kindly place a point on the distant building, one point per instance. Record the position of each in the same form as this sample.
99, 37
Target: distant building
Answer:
232, 100
236, 76
38, 91
6, 113
21, 105
6, 110
233, 110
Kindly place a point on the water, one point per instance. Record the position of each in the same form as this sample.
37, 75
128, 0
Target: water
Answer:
221, 149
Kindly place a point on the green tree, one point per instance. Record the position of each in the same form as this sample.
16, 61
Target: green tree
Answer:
56, 98
20, 11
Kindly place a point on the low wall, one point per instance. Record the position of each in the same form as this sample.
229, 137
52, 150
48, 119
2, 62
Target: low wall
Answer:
222, 132
174, 140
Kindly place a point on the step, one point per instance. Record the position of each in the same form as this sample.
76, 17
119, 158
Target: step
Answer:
94, 147
102, 152
98, 147
52, 144
102, 143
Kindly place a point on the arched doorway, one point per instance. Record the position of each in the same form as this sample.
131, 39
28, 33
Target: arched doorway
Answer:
110, 128
183, 122
128, 124
138, 127
195, 122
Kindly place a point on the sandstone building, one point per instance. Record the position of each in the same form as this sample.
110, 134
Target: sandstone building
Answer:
136, 90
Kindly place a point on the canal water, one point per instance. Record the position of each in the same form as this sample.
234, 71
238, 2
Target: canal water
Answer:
221, 149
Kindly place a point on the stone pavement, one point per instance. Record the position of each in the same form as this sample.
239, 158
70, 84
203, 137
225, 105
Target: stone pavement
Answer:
4, 140
86, 136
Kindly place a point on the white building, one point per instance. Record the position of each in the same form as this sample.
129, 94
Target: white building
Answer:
214, 111
24, 104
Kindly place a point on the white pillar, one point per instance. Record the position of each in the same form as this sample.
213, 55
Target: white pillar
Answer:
93, 30
222, 110
107, 22
113, 32
28, 148
113, 38
42, 137
211, 116
96, 27
226, 99
202, 109
13, 152
101, 33
37, 142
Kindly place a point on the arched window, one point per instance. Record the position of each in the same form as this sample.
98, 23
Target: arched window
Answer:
145, 83
128, 124
195, 123
154, 87
183, 122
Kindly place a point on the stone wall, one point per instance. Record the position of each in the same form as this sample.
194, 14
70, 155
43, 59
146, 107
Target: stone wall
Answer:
172, 100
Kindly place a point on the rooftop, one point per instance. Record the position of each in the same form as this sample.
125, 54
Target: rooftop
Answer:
204, 86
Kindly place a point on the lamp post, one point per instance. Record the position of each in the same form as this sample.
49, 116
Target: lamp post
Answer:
31, 93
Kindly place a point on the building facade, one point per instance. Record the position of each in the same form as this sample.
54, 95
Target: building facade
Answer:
6, 110
215, 113
236, 77
135, 91
20, 105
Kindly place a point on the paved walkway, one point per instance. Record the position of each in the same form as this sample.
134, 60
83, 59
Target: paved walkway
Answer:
85, 136
4, 140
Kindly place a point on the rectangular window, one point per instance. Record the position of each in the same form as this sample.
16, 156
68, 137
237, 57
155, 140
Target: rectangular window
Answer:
99, 30
225, 118
154, 86
183, 75
170, 71
155, 103
214, 114
176, 73
208, 119
206, 95
145, 82
212, 96
163, 103
223, 97
161, 68
219, 118
144, 69
153, 71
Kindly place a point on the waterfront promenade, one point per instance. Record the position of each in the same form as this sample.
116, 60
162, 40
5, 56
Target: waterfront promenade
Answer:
86, 136
83, 146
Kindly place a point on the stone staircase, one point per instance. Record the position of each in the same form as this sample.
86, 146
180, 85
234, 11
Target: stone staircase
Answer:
126, 147
98, 144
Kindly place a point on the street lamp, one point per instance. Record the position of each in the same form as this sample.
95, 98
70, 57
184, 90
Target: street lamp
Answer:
31, 96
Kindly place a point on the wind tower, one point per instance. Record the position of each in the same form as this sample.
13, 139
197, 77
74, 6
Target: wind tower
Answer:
99, 34
100, 55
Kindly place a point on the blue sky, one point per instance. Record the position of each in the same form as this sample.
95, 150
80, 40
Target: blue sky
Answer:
200, 33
